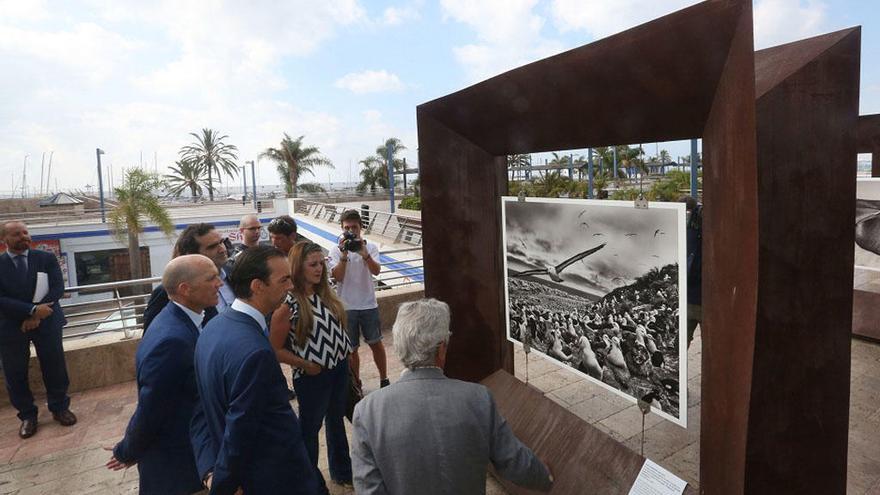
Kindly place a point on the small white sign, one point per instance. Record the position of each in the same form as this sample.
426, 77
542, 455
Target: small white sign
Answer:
654, 480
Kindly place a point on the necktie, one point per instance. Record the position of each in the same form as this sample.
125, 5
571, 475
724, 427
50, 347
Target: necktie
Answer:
21, 268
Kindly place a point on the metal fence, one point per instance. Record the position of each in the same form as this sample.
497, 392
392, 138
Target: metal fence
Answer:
392, 226
114, 312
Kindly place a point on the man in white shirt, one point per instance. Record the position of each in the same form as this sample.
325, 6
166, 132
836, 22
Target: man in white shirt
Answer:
353, 263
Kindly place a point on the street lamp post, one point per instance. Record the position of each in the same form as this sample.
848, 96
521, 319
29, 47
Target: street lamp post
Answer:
390, 152
243, 186
98, 153
254, 183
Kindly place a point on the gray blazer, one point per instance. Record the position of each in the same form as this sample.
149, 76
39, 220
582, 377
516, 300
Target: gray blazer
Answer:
429, 434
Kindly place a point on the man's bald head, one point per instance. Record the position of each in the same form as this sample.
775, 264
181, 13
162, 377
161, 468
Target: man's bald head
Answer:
250, 227
193, 281
184, 269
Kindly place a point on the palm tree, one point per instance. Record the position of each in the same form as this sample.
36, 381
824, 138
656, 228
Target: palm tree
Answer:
136, 204
293, 160
382, 153
186, 175
371, 174
209, 151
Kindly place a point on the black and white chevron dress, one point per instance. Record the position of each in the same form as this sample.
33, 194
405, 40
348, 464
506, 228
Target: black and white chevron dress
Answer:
327, 345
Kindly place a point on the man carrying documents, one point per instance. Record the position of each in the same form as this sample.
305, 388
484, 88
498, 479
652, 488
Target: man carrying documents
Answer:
30, 287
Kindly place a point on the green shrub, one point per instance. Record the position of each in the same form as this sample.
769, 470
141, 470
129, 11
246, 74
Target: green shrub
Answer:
411, 203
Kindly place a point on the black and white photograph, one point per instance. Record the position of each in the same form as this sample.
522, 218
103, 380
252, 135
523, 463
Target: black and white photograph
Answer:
867, 259
599, 287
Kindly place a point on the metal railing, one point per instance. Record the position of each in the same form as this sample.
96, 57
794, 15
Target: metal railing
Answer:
114, 312
397, 228
109, 314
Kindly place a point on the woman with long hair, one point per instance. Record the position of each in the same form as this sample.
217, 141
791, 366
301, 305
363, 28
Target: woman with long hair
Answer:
307, 332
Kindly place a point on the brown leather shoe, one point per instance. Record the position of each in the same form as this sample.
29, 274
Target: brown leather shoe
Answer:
28, 428
65, 417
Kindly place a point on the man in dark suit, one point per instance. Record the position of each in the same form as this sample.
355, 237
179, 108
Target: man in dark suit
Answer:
199, 238
244, 432
24, 321
157, 437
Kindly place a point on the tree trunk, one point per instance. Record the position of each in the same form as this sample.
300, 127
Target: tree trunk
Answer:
192, 192
134, 260
293, 179
210, 185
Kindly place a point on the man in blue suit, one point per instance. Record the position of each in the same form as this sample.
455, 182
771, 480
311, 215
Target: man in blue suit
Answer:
157, 437
198, 238
24, 321
244, 432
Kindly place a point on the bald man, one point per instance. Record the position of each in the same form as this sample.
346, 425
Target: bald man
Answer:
24, 320
158, 438
249, 227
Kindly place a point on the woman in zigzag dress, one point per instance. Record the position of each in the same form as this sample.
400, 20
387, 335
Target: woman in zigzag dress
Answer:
307, 332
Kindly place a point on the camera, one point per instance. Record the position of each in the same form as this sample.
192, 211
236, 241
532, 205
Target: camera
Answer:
351, 242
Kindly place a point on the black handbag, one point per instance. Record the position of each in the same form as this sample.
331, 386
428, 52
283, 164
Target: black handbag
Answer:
355, 394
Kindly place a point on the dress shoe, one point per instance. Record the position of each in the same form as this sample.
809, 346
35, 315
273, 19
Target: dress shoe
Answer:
65, 417
28, 428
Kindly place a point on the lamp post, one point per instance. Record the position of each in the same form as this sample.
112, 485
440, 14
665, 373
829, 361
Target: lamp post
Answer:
694, 168
590, 173
254, 183
390, 152
243, 186
98, 153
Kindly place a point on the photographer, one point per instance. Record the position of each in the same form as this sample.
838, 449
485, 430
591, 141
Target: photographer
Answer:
353, 263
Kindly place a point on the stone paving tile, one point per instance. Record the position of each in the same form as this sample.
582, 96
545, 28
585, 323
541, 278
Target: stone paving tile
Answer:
862, 473
685, 463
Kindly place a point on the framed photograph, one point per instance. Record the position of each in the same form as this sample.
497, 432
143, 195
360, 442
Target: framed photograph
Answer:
867, 246
599, 287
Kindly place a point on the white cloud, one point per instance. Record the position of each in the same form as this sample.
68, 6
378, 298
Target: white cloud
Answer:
369, 81
776, 21
18, 10
602, 18
509, 35
89, 50
393, 16
783, 21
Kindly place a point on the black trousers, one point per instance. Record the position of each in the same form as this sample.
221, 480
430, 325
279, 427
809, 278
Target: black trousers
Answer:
16, 354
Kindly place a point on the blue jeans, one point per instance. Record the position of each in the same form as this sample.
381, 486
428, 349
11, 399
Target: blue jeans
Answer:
363, 322
323, 399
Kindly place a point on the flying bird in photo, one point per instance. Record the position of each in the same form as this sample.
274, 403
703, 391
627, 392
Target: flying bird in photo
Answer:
630, 234
581, 213
659, 232
597, 234
585, 224
555, 272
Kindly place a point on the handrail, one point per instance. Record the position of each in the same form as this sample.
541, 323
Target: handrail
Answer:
116, 312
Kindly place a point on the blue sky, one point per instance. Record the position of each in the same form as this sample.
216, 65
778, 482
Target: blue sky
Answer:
134, 77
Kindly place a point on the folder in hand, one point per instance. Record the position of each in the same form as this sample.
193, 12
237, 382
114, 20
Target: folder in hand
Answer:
42, 288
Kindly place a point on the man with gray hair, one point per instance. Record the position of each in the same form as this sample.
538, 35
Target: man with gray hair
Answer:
393, 425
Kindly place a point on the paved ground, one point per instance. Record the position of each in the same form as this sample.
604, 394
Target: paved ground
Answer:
71, 460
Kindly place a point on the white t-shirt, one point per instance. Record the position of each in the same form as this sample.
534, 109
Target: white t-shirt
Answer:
357, 289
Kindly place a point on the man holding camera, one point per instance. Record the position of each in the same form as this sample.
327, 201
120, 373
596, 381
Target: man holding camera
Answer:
353, 263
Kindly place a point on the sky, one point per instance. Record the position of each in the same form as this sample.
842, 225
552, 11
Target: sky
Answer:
544, 233
135, 78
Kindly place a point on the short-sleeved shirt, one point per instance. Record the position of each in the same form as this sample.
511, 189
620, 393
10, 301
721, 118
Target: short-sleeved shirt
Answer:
328, 343
357, 289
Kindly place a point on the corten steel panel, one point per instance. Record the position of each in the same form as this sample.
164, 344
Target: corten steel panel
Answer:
655, 82
805, 155
869, 140
866, 314
730, 266
462, 235
582, 458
